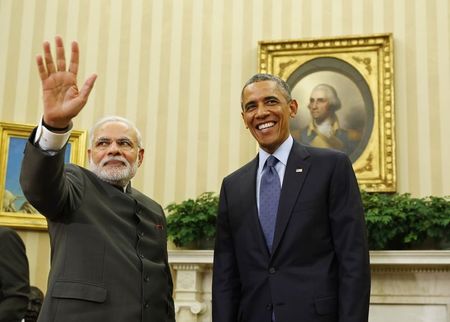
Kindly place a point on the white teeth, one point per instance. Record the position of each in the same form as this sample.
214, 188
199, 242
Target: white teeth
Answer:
265, 125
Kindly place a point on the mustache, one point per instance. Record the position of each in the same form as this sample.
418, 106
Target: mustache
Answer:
114, 158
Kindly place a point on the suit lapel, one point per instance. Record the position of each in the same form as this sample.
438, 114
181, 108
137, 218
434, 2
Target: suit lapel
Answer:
248, 201
296, 171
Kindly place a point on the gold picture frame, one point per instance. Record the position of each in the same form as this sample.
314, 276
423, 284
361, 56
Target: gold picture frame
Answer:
15, 211
361, 69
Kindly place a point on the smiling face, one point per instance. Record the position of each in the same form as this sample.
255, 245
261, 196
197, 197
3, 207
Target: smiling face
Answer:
266, 113
115, 154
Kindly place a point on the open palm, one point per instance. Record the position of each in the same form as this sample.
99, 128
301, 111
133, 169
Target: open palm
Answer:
62, 99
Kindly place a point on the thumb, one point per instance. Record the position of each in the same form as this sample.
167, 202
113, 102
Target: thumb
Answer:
87, 87
79, 98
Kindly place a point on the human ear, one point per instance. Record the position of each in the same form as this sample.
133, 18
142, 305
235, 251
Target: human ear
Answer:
293, 107
243, 119
140, 156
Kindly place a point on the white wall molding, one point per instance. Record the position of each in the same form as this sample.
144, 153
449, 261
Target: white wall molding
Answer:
406, 285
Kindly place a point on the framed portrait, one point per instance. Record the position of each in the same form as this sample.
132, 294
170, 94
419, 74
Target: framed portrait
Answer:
345, 90
15, 210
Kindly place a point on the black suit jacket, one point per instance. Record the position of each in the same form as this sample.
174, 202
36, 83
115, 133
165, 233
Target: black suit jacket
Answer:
14, 276
319, 266
108, 248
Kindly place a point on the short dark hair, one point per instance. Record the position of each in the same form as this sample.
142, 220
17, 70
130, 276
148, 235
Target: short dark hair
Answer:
282, 85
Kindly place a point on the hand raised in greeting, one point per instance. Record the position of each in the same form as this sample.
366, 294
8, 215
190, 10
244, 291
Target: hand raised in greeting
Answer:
62, 99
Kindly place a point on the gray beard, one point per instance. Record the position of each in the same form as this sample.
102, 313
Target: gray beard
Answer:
118, 176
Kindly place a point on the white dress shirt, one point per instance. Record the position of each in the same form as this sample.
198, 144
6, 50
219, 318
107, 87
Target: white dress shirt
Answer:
282, 154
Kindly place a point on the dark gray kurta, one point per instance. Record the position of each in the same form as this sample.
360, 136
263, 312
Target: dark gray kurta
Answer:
109, 248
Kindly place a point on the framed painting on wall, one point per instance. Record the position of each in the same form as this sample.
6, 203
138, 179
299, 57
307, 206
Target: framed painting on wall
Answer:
15, 210
345, 90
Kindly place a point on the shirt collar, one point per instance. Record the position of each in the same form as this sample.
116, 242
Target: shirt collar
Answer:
282, 153
334, 122
126, 189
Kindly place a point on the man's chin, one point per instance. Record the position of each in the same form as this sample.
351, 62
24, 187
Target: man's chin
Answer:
265, 140
116, 173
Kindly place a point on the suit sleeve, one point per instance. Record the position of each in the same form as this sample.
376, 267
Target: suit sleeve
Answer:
14, 277
45, 184
350, 241
226, 281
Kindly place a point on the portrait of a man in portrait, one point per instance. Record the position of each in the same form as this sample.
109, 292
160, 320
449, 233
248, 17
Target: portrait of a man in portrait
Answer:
332, 113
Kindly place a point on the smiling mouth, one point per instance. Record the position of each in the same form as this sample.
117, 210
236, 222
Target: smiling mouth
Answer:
266, 125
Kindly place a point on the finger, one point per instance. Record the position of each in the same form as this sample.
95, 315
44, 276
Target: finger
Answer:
81, 99
41, 69
73, 67
87, 86
83, 94
48, 58
60, 57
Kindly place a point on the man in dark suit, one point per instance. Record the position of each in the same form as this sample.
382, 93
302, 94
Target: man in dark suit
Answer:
14, 276
313, 263
108, 240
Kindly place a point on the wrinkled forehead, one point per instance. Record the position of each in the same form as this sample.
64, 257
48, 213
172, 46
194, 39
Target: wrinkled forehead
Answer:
115, 130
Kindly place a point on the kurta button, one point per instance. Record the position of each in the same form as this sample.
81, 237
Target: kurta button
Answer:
272, 270
147, 279
141, 234
269, 307
146, 305
141, 255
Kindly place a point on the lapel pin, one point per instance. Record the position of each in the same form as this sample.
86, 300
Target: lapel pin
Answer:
298, 170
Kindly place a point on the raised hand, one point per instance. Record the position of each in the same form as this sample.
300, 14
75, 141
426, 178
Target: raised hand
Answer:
62, 99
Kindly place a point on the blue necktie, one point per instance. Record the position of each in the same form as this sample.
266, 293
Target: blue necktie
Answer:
269, 197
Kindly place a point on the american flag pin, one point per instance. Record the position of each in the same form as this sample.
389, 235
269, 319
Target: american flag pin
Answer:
298, 170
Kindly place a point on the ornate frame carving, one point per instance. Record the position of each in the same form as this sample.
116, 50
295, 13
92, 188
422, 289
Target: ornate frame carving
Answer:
12, 141
362, 69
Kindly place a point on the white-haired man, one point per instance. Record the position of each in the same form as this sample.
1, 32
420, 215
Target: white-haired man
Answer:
108, 240
324, 131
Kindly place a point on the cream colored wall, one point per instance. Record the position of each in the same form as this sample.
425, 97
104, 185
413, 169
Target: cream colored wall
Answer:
176, 68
